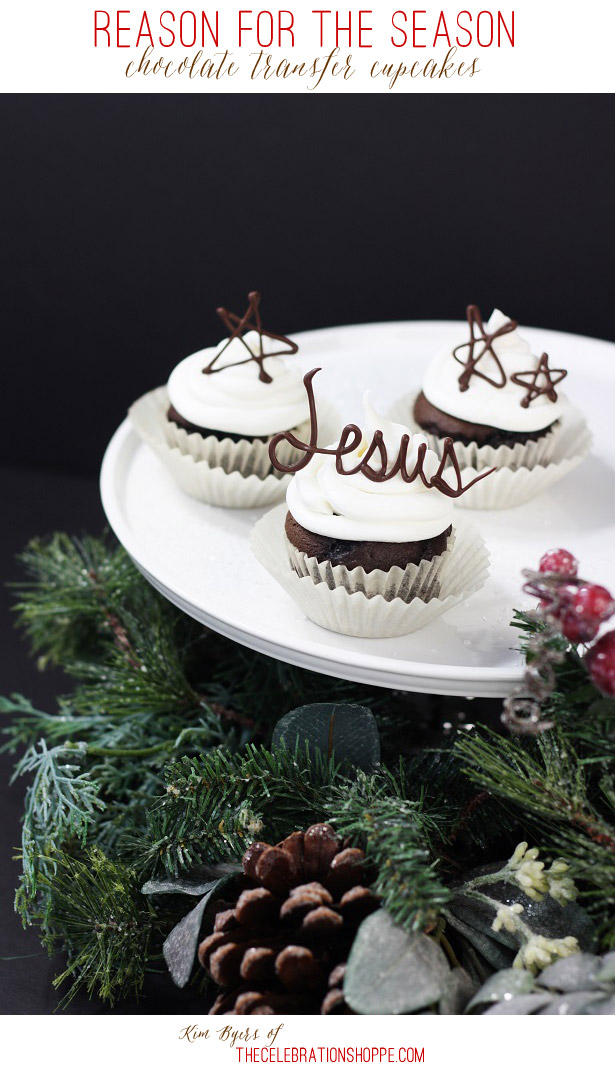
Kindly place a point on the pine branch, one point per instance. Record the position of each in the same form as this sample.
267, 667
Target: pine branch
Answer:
97, 916
551, 785
87, 609
115, 768
153, 767
30, 724
216, 805
550, 788
60, 608
60, 805
399, 836
478, 821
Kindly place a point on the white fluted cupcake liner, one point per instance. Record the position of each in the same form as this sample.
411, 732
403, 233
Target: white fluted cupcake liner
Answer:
523, 472
381, 604
416, 580
531, 454
220, 471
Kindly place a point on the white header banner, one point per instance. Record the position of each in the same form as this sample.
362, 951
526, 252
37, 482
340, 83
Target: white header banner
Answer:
523, 46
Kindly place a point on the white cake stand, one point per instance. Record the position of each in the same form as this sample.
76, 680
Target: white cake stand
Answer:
199, 556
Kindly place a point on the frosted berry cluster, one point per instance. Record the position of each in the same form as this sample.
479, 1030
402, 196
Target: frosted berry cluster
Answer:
578, 609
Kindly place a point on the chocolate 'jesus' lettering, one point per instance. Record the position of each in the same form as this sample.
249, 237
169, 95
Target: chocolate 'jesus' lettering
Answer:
350, 440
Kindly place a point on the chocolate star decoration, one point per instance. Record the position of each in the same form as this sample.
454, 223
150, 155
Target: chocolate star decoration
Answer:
476, 352
547, 388
250, 321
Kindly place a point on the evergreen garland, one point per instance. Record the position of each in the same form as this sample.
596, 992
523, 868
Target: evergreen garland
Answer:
159, 765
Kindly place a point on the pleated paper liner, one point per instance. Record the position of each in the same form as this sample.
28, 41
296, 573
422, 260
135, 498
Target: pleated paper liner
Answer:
416, 580
523, 472
221, 471
376, 604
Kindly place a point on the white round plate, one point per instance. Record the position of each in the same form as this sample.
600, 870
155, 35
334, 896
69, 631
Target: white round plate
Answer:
199, 557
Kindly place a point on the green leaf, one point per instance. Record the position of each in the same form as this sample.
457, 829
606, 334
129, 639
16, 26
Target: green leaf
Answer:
456, 993
572, 973
347, 731
197, 883
573, 1003
390, 971
487, 943
506, 983
545, 917
607, 971
523, 1005
605, 1007
179, 949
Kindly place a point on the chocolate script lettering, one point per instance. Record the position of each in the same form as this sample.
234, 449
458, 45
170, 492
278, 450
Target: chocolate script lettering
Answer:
350, 440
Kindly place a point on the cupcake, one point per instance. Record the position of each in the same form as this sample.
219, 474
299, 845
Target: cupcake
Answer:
491, 390
212, 423
367, 542
502, 406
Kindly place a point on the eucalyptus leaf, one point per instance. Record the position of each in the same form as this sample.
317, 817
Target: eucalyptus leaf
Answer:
525, 1005
474, 918
607, 970
349, 732
572, 986
390, 971
179, 949
603, 1007
572, 1003
456, 993
177, 887
572, 973
551, 920
506, 983
195, 883
545, 917
486, 943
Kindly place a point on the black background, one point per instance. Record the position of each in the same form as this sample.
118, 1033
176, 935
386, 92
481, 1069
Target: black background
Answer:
126, 221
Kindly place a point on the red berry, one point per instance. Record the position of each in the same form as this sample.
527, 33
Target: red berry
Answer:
593, 603
576, 629
600, 661
560, 561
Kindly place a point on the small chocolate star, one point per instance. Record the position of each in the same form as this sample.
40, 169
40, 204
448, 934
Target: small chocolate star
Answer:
473, 315
251, 321
531, 383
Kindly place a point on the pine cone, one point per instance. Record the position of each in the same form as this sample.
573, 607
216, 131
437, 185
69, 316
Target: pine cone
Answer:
281, 948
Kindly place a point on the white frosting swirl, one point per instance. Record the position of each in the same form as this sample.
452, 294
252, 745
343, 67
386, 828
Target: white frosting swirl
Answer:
233, 399
482, 402
353, 508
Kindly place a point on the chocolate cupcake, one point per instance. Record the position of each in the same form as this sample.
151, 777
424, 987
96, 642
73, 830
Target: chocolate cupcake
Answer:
371, 519
347, 517
242, 391
212, 423
491, 391
440, 424
502, 406
370, 555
